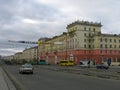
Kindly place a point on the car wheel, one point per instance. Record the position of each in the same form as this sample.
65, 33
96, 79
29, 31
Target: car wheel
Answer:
106, 68
31, 72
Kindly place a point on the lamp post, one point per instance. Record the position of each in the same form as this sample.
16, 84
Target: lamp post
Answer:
66, 48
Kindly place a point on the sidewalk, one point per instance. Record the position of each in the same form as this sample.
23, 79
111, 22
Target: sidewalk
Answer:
5, 83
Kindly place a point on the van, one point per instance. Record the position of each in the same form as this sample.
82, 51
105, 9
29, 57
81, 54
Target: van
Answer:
66, 63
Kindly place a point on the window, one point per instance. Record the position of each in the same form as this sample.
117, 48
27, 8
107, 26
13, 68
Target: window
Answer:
105, 45
89, 40
115, 40
94, 29
85, 46
85, 28
105, 39
89, 29
84, 34
89, 46
100, 39
110, 46
110, 40
101, 46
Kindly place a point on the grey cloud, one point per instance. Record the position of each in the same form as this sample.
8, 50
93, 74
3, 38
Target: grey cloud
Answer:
8, 9
8, 48
34, 10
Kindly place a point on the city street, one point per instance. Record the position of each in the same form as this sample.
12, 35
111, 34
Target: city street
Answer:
56, 45
46, 79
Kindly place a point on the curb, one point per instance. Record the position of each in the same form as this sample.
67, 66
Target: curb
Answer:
9, 83
16, 83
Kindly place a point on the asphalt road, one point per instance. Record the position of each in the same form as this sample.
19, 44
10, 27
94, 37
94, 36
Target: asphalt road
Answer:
44, 79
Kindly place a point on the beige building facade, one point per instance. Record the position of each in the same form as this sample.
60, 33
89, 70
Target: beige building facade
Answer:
83, 40
18, 57
30, 54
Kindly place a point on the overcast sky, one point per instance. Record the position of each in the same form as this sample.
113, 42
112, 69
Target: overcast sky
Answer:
31, 19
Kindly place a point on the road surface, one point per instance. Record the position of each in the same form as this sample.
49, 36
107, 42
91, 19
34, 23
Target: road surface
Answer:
44, 79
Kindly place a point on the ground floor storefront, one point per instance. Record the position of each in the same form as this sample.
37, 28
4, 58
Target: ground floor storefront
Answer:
96, 56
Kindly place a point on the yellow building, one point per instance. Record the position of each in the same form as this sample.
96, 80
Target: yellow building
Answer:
83, 40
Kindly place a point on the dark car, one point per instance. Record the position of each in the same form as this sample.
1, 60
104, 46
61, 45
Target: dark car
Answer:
102, 66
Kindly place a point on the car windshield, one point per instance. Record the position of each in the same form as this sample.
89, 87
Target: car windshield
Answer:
63, 61
71, 61
27, 66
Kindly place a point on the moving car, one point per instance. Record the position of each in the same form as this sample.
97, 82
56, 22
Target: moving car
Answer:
26, 68
102, 66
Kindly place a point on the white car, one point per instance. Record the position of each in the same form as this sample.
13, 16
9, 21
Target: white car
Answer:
85, 63
26, 68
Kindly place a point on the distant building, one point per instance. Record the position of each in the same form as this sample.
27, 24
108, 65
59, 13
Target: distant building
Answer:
30, 54
83, 40
18, 57
8, 59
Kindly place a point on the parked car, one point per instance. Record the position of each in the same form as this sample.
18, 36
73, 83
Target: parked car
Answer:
85, 63
42, 62
102, 66
26, 68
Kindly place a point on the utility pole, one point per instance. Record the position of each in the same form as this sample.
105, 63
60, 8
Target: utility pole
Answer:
66, 48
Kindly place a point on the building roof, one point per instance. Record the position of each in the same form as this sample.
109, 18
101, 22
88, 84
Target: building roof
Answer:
108, 35
84, 23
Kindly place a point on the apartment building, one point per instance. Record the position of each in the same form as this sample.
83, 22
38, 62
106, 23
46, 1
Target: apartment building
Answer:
50, 47
30, 54
18, 57
83, 40
8, 58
